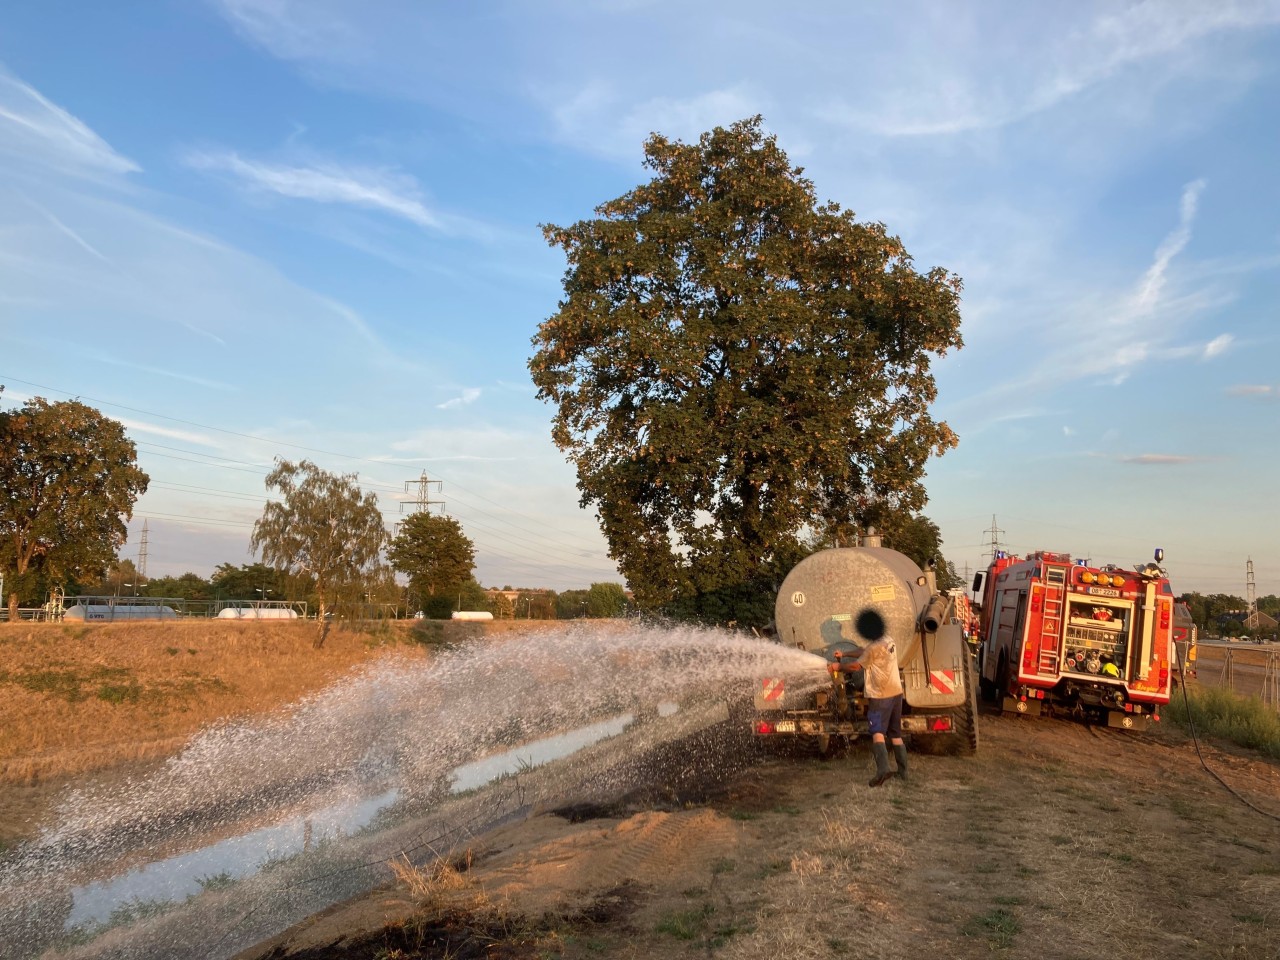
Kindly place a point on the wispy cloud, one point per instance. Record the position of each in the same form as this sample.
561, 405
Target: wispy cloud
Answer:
70, 234
161, 372
387, 191
37, 130
599, 117
187, 436
1153, 281
469, 395
1156, 459
1042, 70
1253, 390
1218, 345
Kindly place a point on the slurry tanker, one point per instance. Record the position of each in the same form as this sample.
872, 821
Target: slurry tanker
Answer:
1058, 635
817, 606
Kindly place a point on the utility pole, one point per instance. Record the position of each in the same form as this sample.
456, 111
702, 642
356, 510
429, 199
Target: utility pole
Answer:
1251, 598
422, 501
140, 575
993, 541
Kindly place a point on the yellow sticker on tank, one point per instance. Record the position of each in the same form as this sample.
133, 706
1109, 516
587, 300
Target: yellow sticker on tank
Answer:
882, 594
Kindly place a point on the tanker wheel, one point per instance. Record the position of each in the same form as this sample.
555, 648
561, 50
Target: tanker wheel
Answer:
964, 719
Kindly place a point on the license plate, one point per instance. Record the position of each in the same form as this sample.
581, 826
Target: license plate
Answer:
1102, 591
785, 726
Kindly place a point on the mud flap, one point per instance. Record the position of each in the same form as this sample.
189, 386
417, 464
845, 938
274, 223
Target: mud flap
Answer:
1028, 708
935, 676
1127, 721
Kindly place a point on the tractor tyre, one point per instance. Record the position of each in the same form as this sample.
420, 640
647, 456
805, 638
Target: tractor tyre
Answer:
964, 718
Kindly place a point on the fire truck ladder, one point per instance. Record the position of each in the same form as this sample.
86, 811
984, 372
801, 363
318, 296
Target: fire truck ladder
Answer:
1051, 624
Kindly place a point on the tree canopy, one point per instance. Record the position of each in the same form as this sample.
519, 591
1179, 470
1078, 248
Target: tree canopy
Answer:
435, 555
737, 368
68, 482
324, 527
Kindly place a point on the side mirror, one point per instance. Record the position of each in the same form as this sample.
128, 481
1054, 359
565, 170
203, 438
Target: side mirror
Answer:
977, 581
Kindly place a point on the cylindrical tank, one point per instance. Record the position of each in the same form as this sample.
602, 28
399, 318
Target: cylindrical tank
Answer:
821, 598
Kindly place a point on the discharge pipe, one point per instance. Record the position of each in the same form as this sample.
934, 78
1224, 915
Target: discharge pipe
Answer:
935, 614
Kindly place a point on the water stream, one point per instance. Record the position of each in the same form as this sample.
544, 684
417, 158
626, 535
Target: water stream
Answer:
256, 825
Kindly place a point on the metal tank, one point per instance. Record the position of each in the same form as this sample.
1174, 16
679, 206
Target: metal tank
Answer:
821, 598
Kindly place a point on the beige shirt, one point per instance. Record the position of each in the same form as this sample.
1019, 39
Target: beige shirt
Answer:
880, 661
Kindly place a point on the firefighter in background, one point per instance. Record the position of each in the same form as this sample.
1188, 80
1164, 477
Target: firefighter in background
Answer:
879, 660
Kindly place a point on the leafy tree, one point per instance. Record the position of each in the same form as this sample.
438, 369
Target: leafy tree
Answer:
536, 604
434, 553
121, 580
188, 586
606, 600
572, 604
324, 527
1208, 611
501, 606
68, 482
735, 367
256, 581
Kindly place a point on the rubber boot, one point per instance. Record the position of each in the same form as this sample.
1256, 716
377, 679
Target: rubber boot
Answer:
881, 754
900, 755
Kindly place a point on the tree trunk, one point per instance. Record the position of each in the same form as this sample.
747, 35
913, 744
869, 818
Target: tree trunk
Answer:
322, 617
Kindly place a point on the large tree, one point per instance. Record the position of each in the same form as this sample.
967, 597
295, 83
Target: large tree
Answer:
68, 482
436, 556
736, 367
324, 527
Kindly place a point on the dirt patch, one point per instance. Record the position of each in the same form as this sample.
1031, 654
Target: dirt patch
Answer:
1058, 840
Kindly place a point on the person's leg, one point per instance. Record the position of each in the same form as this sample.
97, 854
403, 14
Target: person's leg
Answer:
894, 733
878, 714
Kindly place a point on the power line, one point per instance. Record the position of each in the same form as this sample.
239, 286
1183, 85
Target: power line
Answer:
231, 433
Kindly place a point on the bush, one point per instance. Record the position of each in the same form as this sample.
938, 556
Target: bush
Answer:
1217, 712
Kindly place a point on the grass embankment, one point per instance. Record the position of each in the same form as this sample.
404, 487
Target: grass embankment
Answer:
1216, 712
77, 698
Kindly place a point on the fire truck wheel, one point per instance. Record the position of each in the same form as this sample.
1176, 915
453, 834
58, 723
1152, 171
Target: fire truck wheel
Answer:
1002, 677
988, 687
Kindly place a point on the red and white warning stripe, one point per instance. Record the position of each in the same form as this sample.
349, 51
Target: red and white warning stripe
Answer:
771, 688
944, 681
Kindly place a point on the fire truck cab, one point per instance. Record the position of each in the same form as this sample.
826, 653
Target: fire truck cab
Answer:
1062, 635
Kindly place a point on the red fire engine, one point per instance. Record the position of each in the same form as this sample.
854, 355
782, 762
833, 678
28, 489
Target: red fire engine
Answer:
1057, 634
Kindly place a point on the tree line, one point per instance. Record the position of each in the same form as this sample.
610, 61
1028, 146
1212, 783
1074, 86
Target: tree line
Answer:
1221, 614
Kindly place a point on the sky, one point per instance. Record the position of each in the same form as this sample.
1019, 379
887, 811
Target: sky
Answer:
251, 229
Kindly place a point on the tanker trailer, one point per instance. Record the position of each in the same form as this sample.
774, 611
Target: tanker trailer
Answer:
816, 610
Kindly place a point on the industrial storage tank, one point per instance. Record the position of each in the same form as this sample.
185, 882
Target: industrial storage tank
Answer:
257, 613
123, 611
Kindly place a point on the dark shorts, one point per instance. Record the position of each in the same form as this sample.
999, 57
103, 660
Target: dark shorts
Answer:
885, 715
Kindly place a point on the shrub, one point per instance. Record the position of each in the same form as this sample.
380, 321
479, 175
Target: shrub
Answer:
1217, 712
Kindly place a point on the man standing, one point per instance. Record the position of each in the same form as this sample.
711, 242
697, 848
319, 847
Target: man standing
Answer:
879, 659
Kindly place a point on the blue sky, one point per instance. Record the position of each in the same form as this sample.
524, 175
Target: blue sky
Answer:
260, 228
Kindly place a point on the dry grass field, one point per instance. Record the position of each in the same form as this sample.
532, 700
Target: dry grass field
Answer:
78, 699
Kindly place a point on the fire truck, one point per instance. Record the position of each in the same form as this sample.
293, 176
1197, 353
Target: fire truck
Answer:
1058, 635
